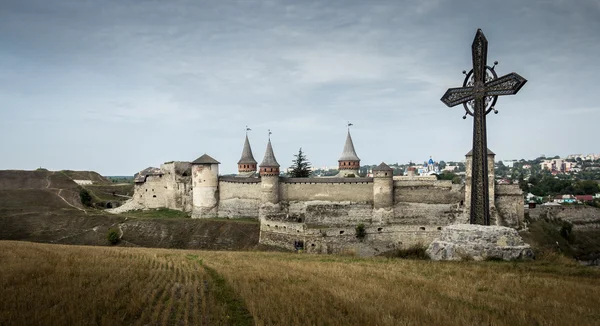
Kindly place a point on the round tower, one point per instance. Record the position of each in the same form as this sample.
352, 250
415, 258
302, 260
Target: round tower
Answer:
205, 187
383, 186
269, 176
247, 163
349, 163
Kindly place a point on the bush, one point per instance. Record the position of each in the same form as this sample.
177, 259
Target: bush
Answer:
566, 231
361, 232
86, 198
416, 251
113, 236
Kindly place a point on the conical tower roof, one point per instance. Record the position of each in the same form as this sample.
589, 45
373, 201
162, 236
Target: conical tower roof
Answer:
247, 157
383, 167
205, 159
269, 160
349, 154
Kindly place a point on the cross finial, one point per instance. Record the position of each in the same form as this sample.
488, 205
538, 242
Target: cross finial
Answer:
349, 124
270, 134
247, 129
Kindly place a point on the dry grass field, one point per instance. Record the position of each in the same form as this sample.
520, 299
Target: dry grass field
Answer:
73, 285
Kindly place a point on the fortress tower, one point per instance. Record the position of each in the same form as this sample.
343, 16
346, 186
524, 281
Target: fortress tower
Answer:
247, 163
383, 186
205, 187
269, 174
349, 163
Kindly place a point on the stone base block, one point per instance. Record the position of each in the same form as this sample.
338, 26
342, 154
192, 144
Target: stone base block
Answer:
479, 242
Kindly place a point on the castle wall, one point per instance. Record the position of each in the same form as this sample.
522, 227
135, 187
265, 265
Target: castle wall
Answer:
239, 197
510, 205
425, 202
327, 189
178, 183
427, 192
326, 201
378, 239
152, 193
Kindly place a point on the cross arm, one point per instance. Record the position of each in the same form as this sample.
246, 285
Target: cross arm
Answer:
508, 84
458, 95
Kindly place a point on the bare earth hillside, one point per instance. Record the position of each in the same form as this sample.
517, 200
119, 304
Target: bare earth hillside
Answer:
45, 206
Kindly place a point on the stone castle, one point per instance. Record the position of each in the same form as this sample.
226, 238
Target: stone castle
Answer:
325, 214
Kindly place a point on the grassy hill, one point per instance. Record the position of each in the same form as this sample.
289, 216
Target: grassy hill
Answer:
73, 285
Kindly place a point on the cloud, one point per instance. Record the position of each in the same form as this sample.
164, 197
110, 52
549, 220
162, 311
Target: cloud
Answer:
173, 79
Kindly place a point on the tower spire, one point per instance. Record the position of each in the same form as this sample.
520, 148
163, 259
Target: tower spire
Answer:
269, 165
247, 163
349, 163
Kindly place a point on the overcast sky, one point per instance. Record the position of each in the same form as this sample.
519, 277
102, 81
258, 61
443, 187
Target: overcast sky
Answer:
119, 85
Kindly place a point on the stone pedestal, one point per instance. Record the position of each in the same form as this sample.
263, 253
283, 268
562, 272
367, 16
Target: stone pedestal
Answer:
479, 242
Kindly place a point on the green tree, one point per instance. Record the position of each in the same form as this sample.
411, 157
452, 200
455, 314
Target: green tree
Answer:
301, 166
442, 165
86, 198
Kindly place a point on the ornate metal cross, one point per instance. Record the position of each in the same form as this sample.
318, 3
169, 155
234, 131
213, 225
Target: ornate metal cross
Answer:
478, 95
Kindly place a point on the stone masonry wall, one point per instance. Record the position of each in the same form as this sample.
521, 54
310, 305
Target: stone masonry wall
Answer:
425, 202
177, 180
320, 202
152, 193
378, 239
510, 206
239, 199
350, 191
427, 192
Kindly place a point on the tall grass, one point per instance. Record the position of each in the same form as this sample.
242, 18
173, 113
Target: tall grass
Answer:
52, 284
72, 285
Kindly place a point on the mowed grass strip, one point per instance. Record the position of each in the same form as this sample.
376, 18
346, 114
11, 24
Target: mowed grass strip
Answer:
53, 284
73, 285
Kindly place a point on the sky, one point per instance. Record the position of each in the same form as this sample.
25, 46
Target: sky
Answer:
116, 86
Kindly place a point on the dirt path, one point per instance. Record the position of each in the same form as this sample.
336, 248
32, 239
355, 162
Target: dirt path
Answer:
48, 180
61, 197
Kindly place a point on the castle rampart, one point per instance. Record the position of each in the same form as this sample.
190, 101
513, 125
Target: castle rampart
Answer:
321, 215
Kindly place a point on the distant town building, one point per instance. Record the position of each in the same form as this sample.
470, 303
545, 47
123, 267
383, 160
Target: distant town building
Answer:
509, 163
557, 165
429, 167
588, 157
